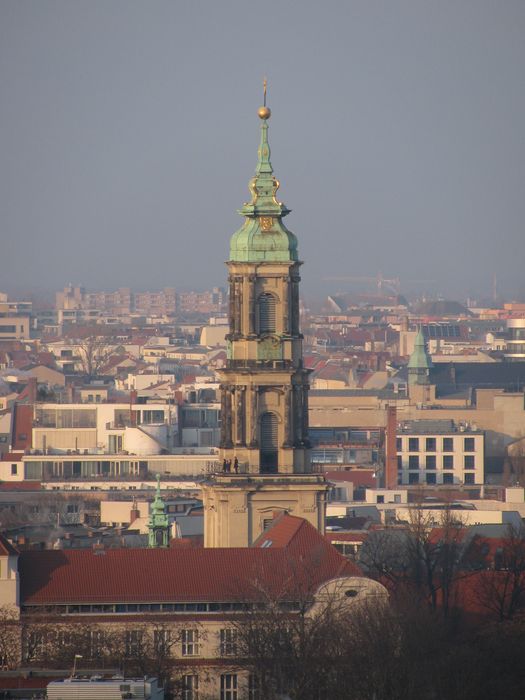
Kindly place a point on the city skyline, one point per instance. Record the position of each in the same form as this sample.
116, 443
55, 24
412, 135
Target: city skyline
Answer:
129, 135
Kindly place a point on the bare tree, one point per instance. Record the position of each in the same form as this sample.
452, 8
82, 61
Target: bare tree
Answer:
291, 640
9, 637
94, 350
501, 589
424, 556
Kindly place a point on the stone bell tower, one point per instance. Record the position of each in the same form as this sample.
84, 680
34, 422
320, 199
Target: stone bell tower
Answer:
264, 448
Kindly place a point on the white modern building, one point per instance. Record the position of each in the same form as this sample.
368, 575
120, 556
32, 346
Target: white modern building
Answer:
440, 452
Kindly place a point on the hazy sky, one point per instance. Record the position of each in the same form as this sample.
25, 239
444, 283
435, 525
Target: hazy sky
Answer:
128, 134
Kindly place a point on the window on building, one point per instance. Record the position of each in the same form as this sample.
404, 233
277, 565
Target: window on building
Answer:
469, 478
133, 642
448, 461
430, 444
448, 444
33, 645
14, 470
413, 478
269, 442
254, 687
448, 478
190, 642
150, 417
431, 478
72, 508
430, 461
469, 445
96, 643
399, 462
229, 686
162, 641
413, 461
469, 462
380, 499
190, 687
228, 642
399, 444
413, 444
266, 307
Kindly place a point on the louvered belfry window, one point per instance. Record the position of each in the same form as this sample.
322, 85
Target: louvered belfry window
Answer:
266, 304
269, 431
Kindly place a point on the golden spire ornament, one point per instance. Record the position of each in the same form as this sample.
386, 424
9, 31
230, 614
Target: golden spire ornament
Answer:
264, 112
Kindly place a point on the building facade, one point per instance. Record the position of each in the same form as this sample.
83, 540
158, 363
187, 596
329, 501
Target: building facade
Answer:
440, 452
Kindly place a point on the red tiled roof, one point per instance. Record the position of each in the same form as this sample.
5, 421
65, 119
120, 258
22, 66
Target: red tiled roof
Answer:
282, 531
358, 477
23, 426
456, 534
188, 542
12, 456
134, 575
300, 539
20, 486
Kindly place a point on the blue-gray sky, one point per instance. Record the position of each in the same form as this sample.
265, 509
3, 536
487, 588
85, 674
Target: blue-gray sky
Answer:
128, 133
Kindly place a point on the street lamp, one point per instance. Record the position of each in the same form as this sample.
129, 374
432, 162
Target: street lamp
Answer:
73, 673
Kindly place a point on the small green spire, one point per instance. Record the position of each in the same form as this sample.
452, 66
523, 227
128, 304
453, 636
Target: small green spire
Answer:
263, 236
420, 362
158, 524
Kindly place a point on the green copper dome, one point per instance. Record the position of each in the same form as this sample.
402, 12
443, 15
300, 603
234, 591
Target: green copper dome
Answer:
263, 237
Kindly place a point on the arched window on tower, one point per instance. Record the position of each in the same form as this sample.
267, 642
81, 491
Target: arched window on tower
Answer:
269, 443
266, 304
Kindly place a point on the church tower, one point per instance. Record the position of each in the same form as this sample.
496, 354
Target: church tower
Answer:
264, 448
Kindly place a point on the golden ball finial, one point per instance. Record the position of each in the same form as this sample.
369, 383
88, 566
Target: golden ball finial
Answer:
264, 112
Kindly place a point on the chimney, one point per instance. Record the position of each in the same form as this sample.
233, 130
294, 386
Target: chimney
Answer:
32, 389
69, 393
391, 448
134, 513
132, 401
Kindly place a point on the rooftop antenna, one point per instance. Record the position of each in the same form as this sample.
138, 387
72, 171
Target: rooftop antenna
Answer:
265, 84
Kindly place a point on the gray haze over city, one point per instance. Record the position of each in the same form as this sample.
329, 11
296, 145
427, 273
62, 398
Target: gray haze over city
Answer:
129, 131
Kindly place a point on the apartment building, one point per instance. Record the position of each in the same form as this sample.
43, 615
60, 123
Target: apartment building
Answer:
15, 319
104, 427
440, 452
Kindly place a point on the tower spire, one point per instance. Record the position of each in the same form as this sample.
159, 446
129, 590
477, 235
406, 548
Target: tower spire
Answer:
158, 525
420, 362
263, 236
